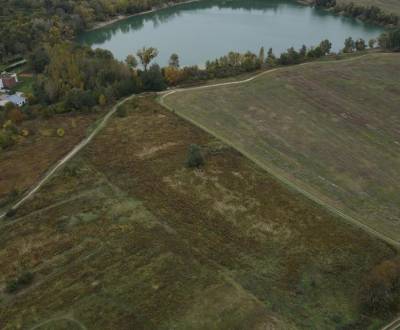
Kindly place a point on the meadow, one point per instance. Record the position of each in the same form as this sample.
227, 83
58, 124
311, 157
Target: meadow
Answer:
328, 129
127, 237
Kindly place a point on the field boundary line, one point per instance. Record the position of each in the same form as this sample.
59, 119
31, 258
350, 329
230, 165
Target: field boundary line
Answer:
269, 169
68, 156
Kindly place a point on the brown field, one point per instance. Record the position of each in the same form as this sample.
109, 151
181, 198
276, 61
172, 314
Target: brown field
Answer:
29, 159
328, 129
126, 237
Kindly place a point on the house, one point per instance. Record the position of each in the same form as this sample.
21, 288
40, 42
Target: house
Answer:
8, 80
17, 99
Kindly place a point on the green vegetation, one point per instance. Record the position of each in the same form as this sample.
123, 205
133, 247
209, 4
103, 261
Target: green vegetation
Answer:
27, 24
373, 14
194, 158
388, 6
324, 127
20, 282
128, 237
380, 292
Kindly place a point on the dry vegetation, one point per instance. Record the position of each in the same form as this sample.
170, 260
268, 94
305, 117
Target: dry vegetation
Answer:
330, 128
127, 237
30, 158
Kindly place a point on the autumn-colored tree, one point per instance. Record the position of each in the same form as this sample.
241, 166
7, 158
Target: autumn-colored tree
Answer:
146, 55
173, 75
102, 100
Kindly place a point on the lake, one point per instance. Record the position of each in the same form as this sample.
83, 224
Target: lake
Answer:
204, 30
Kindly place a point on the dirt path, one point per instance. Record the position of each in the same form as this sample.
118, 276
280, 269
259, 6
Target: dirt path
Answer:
394, 325
68, 156
62, 318
267, 168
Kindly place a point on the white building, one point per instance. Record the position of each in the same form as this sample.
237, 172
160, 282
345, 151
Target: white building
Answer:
17, 99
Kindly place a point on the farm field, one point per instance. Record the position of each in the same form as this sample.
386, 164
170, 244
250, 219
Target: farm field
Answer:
127, 237
331, 129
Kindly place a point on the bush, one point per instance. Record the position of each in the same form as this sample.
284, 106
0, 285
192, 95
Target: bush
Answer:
6, 139
153, 79
121, 112
20, 282
10, 213
380, 291
60, 132
194, 158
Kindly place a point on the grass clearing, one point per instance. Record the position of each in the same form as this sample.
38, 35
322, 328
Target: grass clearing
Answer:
329, 128
127, 237
31, 156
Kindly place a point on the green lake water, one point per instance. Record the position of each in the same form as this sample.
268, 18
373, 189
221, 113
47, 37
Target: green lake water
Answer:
208, 29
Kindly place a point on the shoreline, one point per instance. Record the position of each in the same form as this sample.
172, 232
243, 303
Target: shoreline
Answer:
119, 18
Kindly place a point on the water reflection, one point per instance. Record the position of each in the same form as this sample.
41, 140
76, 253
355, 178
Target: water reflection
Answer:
207, 29
162, 16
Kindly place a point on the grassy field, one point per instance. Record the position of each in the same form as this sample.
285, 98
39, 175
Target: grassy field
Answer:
332, 129
126, 237
389, 6
24, 163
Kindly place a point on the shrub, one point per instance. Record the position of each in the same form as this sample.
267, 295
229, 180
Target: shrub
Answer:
24, 132
380, 291
153, 79
194, 158
121, 112
6, 138
60, 132
20, 282
10, 213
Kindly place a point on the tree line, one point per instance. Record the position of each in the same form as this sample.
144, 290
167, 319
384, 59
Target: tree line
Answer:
26, 23
69, 77
370, 14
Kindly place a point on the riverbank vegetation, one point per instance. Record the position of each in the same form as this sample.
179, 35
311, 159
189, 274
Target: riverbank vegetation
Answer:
371, 14
71, 78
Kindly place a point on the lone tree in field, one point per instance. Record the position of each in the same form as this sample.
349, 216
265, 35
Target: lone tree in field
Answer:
174, 61
131, 61
146, 55
194, 158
